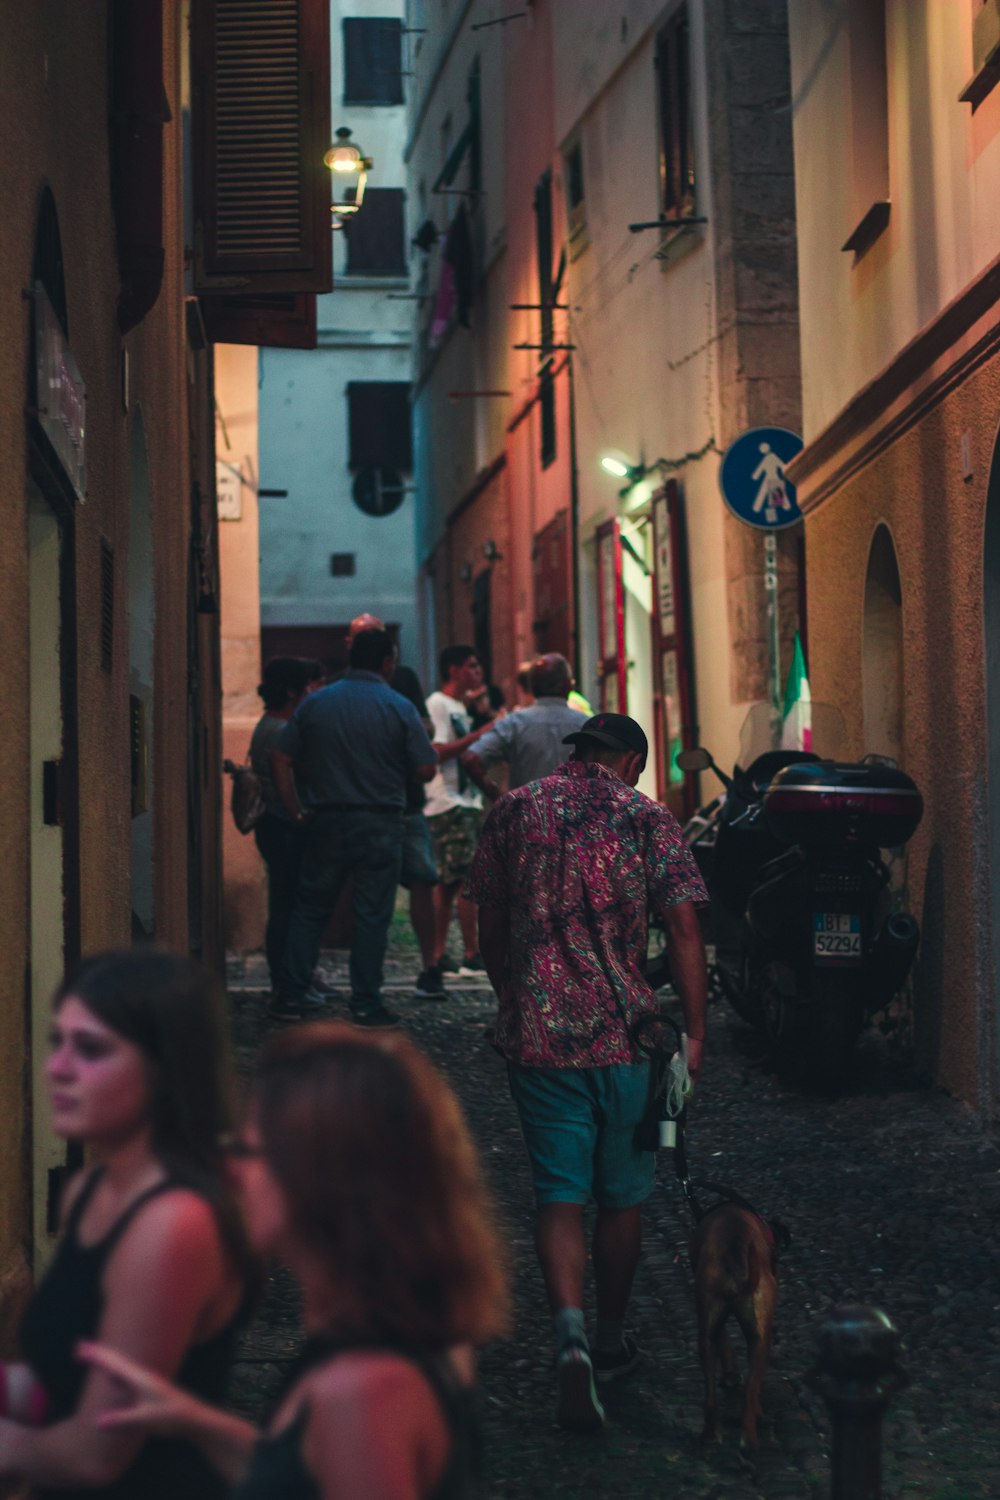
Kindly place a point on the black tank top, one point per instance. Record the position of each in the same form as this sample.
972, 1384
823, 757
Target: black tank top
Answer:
67, 1306
278, 1470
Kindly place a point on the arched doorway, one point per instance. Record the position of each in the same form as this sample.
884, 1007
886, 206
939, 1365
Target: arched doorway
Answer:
140, 678
882, 655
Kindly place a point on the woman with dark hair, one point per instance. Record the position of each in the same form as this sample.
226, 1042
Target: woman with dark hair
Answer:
153, 1259
286, 681
358, 1172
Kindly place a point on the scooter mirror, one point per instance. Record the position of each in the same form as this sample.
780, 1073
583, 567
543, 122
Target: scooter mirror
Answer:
694, 760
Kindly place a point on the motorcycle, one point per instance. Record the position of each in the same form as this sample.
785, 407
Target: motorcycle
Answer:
807, 945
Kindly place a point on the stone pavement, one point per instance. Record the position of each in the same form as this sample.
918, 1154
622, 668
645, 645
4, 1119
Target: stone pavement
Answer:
891, 1194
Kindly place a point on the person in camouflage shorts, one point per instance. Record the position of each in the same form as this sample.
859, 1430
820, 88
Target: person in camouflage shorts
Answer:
456, 834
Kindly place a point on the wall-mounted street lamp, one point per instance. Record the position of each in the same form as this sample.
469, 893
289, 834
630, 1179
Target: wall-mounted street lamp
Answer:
350, 168
622, 470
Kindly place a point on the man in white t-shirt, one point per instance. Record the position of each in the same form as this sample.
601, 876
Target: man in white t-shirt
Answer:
454, 807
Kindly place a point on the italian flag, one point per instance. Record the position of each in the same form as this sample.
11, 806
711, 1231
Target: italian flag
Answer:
796, 716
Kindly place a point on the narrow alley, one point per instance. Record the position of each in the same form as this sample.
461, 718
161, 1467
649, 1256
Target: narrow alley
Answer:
890, 1194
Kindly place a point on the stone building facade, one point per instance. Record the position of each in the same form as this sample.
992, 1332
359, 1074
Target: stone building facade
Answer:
109, 807
897, 147
552, 134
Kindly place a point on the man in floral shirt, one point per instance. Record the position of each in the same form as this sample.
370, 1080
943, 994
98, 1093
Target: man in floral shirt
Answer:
567, 873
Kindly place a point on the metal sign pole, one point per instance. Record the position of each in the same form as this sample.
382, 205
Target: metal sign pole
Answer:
773, 623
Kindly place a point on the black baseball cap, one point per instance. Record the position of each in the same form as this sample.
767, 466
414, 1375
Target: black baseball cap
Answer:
617, 731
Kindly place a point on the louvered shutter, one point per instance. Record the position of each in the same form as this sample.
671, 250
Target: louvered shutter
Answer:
260, 126
284, 321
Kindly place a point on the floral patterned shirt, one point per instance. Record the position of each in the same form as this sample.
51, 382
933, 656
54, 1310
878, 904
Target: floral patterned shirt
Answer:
580, 860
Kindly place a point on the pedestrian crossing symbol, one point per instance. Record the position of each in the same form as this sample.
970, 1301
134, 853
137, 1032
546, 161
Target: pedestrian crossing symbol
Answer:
753, 480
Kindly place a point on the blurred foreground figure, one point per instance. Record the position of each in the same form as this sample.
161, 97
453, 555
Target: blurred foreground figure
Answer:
357, 1171
152, 1259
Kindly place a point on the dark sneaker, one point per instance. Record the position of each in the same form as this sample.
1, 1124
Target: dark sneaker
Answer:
471, 968
577, 1406
284, 1008
374, 1015
609, 1367
448, 965
315, 999
430, 985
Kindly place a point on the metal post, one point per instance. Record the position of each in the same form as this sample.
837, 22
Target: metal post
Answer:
857, 1374
773, 622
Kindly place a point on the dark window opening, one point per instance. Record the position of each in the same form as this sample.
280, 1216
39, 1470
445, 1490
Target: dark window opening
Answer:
574, 177
547, 406
379, 421
546, 297
673, 68
373, 60
482, 622
343, 564
376, 235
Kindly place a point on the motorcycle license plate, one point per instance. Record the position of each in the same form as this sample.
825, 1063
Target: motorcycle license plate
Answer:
836, 937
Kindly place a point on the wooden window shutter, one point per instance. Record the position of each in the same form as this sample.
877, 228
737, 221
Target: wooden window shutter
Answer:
260, 126
284, 321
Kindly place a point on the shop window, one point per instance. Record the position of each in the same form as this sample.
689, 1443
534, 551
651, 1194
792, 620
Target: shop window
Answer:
379, 423
869, 106
673, 76
373, 60
376, 235
261, 192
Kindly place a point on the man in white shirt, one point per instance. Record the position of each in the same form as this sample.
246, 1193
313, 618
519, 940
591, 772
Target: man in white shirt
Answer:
454, 807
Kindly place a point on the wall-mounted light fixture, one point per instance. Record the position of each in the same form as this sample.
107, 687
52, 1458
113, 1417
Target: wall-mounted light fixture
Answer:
350, 168
465, 572
611, 464
492, 552
633, 474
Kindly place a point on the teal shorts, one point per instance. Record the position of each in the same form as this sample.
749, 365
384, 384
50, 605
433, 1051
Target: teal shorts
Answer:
578, 1126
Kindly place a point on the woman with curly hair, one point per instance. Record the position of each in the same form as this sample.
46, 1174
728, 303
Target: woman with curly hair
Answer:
358, 1172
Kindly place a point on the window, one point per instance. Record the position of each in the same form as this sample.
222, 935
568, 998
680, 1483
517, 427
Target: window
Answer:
673, 71
869, 124
379, 420
546, 297
985, 52
376, 235
343, 564
576, 204
373, 60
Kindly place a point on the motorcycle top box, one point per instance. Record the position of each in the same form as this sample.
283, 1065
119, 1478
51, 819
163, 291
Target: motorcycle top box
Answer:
827, 802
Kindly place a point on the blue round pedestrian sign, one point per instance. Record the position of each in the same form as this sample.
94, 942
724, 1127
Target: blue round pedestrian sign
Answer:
752, 478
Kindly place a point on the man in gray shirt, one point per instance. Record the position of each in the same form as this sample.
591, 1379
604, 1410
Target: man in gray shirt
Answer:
352, 747
531, 740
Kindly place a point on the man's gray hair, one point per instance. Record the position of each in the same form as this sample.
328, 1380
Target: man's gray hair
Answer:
551, 676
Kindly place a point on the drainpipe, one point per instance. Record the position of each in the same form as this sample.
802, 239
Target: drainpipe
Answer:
574, 521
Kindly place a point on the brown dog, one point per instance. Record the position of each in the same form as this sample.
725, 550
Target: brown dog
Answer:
734, 1258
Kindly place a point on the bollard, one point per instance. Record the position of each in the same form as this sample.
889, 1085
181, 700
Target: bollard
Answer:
857, 1374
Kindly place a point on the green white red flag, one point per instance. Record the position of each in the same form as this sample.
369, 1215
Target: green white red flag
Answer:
796, 717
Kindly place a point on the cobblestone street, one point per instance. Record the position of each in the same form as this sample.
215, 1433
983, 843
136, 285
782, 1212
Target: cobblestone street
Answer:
891, 1196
